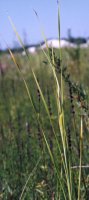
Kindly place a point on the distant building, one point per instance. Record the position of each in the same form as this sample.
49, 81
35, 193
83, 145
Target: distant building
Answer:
51, 43
32, 49
56, 44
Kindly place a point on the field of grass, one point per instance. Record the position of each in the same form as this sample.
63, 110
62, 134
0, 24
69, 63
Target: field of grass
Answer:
44, 129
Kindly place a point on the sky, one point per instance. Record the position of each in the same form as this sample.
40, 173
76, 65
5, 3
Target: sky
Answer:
74, 14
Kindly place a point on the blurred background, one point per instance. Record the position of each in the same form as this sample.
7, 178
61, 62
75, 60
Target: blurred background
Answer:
74, 16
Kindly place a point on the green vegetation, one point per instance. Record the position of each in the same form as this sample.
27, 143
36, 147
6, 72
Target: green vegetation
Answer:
37, 161
44, 124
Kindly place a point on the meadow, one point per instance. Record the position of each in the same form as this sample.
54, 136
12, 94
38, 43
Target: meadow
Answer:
44, 126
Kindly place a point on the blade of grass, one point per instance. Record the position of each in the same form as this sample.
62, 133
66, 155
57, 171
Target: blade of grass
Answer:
62, 122
29, 177
80, 166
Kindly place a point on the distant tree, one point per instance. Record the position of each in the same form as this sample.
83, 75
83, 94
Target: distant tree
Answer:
25, 40
80, 40
69, 35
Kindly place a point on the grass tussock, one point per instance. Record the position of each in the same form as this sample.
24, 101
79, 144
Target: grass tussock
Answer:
44, 125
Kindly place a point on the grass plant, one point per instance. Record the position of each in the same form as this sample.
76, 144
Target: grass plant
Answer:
43, 129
